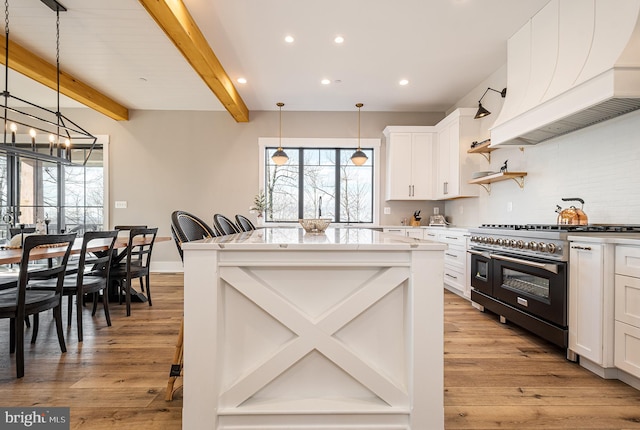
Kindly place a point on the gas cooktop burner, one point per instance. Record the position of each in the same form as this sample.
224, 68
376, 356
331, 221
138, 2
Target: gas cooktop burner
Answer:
602, 228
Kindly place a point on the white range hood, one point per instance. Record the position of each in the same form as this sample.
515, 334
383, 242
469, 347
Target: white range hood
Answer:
574, 64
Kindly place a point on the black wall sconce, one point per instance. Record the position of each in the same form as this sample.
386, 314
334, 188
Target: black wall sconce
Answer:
482, 112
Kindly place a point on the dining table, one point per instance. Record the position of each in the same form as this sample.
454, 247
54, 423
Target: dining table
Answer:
13, 255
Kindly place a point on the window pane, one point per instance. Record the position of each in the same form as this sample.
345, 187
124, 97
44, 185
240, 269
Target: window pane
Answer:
319, 183
281, 188
356, 190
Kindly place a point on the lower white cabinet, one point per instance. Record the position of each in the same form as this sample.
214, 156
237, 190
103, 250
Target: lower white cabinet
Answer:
456, 260
590, 306
415, 232
627, 309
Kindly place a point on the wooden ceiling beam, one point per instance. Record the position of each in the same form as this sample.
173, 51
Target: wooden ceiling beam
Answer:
175, 20
27, 63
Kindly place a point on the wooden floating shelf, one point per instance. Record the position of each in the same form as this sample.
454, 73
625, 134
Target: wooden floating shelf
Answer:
486, 181
483, 149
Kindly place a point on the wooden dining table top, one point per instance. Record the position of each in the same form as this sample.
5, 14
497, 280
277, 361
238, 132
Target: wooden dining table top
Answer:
14, 255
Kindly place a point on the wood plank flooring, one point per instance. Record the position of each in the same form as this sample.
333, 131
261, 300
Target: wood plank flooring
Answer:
496, 376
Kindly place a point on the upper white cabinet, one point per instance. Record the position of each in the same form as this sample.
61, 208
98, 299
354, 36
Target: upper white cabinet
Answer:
409, 162
454, 166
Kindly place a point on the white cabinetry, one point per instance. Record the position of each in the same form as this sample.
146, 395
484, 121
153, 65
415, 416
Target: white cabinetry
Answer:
456, 264
409, 162
627, 309
591, 303
454, 166
414, 232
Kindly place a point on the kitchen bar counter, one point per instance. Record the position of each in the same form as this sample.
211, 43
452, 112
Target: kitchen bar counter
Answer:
290, 330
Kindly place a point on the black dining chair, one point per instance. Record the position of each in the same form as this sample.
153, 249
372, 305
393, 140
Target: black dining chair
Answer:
224, 225
186, 227
129, 228
20, 302
136, 264
90, 277
244, 223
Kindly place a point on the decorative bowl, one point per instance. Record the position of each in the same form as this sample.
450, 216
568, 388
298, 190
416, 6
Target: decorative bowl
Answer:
315, 225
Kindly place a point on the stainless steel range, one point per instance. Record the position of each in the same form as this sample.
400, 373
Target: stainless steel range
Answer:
520, 272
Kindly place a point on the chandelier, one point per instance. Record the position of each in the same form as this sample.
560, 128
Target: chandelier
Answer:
38, 132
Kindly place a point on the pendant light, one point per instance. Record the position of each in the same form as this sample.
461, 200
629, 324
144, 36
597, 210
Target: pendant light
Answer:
50, 133
280, 157
359, 158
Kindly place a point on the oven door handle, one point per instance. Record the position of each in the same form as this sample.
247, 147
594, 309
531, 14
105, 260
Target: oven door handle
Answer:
553, 268
482, 254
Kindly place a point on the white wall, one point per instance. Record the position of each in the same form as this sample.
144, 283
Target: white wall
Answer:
600, 164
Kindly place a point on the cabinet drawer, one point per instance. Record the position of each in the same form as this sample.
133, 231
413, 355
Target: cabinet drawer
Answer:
455, 256
627, 300
627, 348
628, 260
452, 238
454, 277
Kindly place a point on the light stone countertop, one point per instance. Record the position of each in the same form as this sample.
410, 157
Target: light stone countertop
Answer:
292, 238
617, 238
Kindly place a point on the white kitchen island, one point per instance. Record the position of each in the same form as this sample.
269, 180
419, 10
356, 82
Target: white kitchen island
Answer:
288, 330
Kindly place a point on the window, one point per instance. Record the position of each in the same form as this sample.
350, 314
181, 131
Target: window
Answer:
320, 181
70, 197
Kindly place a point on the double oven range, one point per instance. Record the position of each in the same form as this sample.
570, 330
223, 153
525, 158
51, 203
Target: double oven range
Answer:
520, 272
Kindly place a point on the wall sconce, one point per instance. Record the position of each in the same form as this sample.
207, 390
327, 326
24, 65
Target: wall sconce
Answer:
482, 112
280, 157
359, 158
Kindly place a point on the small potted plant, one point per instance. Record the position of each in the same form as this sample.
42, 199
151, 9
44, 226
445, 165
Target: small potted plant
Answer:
259, 206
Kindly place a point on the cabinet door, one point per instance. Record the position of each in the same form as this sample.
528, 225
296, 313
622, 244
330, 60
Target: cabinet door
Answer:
586, 296
627, 347
422, 166
443, 167
627, 300
399, 166
415, 233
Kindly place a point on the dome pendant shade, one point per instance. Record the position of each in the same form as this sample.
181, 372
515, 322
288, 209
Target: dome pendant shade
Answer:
359, 158
280, 157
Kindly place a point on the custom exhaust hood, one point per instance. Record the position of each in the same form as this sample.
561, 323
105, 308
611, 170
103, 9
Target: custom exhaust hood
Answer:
574, 64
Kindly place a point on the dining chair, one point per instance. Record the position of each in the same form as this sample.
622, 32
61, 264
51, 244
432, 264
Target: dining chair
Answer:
186, 227
136, 265
17, 303
90, 277
224, 225
244, 223
129, 228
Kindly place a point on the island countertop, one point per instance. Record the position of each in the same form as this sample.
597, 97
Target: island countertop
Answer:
297, 239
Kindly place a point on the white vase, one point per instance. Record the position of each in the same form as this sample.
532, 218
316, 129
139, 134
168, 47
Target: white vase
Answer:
260, 221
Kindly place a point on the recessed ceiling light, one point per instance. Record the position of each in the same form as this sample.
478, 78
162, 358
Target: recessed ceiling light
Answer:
339, 39
403, 82
325, 82
289, 39
242, 81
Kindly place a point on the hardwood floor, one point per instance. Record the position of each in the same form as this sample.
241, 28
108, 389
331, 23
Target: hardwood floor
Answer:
496, 376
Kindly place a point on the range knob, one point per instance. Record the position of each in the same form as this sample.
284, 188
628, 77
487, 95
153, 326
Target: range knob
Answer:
513, 243
551, 248
520, 244
533, 246
499, 242
490, 240
543, 247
